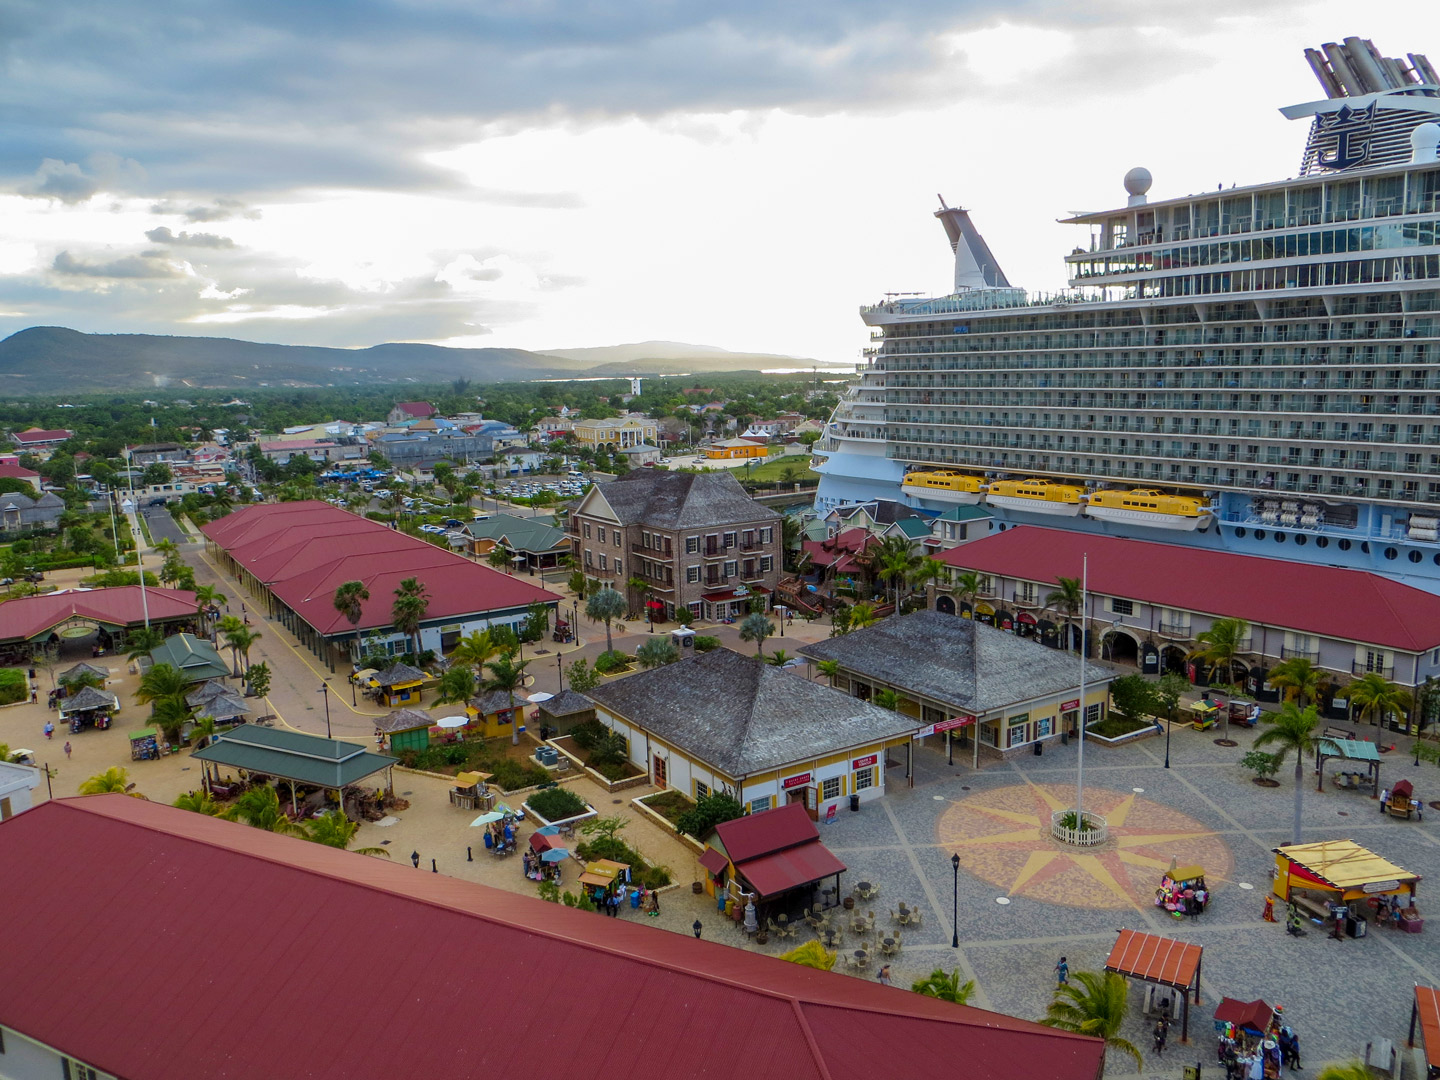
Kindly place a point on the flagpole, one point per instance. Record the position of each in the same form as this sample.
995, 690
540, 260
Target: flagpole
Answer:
1080, 754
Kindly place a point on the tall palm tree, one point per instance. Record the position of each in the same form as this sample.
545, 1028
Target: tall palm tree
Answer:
334, 829
605, 606
895, 563
142, 641
349, 599
197, 802
260, 807
1067, 601
1301, 680
160, 682
862, 615
929, 569
231, 624
112, 780
241, 641
1093, 1004
456, 684
967, 587
756, 627
206, 597
170, 715
830, 669
507, 676
1374, 697
945, 987
1293, 728
1221, 644
474, 650
408, 610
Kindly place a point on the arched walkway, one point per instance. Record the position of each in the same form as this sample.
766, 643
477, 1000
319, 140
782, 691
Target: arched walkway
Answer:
1172, 658
1120, 647
945, 605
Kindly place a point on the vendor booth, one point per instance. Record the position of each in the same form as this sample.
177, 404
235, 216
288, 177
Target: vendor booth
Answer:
602, 877
89, 708
1162, 961
1251, 1017
1182, 891
1341, 881
146, 745
1203, 714
1361, 769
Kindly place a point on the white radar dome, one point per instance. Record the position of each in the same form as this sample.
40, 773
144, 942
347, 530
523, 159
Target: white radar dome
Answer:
1137, 181
1425, 143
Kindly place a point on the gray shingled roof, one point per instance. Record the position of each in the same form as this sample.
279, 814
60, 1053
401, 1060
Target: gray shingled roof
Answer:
495, 701
224, 706
88, 699
567, 703
399, 673
742, 716
403, 720
206, 692
955, 661
673, 500
83, 669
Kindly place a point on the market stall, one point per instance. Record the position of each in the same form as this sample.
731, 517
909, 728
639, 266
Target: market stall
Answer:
1203, 714
1341, 881
601, 878
146, 745
89, 708
1162, 961
1363, 770
1182, 891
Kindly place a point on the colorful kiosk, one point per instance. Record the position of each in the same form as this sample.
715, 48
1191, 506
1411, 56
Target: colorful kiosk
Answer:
1331, 879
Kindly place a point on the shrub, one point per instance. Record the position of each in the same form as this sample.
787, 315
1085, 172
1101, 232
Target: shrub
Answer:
1135, 697
511, 775
610, 749
568, 899
581, 676
704, 643
585, 903
1263, 765
13, 686
655, 877
587, 733
548, 891
614, 660
709, 812
556, 803
812, 954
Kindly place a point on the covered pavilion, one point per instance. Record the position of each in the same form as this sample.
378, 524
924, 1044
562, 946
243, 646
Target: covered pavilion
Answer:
295, 757
1160, 960
1360, 751
1340, 867
27, 621
193, 657
1425, 1012
776, 857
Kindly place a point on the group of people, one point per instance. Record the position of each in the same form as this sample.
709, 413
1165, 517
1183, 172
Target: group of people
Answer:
1181, 898
611, 901
1246, 1056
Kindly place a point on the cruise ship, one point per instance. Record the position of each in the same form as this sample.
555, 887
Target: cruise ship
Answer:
1255, 369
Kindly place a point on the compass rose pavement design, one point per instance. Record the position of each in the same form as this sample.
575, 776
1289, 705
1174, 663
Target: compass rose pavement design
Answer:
1003, 837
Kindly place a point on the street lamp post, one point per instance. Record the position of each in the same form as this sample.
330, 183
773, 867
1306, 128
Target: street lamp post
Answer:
325, 690
1169, 723
955, 905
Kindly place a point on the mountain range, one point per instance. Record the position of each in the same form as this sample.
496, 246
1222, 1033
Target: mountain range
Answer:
54, 359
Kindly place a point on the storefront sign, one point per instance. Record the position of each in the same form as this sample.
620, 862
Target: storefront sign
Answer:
954, 722
796, 781
1067, 706
928, 729
864, 762
1379, 886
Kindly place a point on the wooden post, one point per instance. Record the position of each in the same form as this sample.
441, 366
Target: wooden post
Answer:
1414, 1016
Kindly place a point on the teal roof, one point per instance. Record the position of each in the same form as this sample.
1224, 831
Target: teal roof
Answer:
196, 657
1350, 749
914, 528
293, 755
520, 534
964, 513
815, 530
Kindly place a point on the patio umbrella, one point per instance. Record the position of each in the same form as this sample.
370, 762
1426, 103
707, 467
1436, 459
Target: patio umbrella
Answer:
487, 818
452, 721
537, 698
548, 830
541, 842
558, 854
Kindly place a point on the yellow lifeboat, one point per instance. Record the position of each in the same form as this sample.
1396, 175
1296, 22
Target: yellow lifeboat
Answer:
942, 485
1152, 509
1036, 497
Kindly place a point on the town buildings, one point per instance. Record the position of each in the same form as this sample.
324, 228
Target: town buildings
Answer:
532, 543
20, 512
732, 449
616, 433
27, 621
40, 438
410, 410
413, 449
696, 540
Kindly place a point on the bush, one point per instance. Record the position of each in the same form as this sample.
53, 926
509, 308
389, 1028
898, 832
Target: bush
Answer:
1134, 697
568, 899
607, 663
709, 812
1263, 765
548, 891
14, 686
704, 643
556, 803
610, 749
509, 775
587, 733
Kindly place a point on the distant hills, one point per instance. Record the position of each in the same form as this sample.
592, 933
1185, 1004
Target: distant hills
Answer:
55, 359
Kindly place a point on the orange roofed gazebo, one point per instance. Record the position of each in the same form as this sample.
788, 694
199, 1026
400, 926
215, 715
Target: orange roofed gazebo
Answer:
1161, 960
1426, 1014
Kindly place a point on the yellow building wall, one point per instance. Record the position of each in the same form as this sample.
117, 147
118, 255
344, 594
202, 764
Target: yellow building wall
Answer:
490, 725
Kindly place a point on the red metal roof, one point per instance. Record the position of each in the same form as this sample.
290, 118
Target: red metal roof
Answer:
1154, 959
791, 868
1427, 1007
39, 435
26, 616
1251, 1015
1325, 600
754, 835
838, 548
12, 471
304, 550
713, 860
258, 931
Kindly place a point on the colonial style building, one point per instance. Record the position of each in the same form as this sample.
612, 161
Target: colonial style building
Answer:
617, 433
696, 540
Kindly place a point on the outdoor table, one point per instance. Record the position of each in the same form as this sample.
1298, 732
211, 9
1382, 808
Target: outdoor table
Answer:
861, 957
830, 938
864, 890
904, 912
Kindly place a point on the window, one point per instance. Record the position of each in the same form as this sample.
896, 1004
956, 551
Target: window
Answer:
1016, 728
1122, 607
702, 790
589, 557
616, 534
730, 569
864, 778
748, 538
729, 539
766, 536
587, 530
692, 545
618, 570
1025, 592
603, 561
756, 805
645, 538
830, 789
767, 563
692, 574
600, 533
73, 1070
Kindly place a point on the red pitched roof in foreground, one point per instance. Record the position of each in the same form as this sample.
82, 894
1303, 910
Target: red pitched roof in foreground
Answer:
27, 616
1322, 600
259, 930
304, 550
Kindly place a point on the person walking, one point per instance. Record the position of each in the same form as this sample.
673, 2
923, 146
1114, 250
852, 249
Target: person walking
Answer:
1062, 972
49, 730
884, 977
67, 751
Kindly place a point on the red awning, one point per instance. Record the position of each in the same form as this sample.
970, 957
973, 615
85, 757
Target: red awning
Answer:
791, 868
730, 594
713, 861
542, 842
1026, 617
1155, 959
1250, 1015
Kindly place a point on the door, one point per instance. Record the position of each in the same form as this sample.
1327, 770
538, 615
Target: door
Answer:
659, 771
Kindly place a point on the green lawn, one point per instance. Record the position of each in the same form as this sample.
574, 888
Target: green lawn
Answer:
773, 470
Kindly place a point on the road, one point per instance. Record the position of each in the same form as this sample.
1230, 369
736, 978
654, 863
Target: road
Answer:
162, 526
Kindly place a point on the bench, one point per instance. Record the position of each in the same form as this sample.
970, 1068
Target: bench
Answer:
1337, 733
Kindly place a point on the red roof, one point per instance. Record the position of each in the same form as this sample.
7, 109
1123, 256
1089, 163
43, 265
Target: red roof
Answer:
838, 548
1251, 1015
1427, 1008
39, 435
304, 550
1322, 600
791, 868
1154, 959
12, 471
712, 860
27, 616
259, 929
754, 835
416, 408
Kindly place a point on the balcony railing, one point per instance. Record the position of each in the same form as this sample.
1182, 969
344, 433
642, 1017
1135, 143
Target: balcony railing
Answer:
1287, 653
1175, 629
1358, 667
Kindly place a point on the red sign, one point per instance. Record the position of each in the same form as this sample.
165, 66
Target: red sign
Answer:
864, 762
1066, 706
954, 722
796, 781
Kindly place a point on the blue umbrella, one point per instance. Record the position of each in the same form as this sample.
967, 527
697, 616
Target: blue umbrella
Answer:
549, 830
554, 855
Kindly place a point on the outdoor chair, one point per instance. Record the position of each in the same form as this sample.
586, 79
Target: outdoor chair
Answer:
896, 918
914, 919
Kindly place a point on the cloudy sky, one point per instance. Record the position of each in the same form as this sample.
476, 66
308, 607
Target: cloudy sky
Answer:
539, 173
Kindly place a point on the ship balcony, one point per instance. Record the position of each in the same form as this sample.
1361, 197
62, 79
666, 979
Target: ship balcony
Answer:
1384, 671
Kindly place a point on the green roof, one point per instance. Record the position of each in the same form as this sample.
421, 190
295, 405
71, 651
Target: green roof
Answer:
519, 534
194, 656
293, 755
964, 513
914, 528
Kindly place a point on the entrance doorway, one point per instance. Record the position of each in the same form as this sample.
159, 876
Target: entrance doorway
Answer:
1172, 659
1120, 648
659, 771
945, 605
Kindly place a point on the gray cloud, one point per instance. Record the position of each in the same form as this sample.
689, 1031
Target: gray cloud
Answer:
150, 264
222, 209
63, 180
163, 235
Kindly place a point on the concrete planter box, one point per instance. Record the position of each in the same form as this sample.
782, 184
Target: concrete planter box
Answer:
611, 786
590, 812
669, 826
1129, 737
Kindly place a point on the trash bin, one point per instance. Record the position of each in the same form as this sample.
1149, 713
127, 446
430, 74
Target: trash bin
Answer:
1039, 748
1355, 928
855, 802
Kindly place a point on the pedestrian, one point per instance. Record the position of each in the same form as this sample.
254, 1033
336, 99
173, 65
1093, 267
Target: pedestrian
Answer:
49, 730
34, 694
67, 750
1062, 972
1269, 913
884, 977
1290, 1044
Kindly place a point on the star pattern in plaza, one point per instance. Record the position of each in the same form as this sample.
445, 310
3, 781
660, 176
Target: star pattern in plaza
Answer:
1003, 837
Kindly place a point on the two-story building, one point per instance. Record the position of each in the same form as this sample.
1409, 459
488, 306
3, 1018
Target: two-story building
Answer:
40, 438
696, 539
616, 433
410, 410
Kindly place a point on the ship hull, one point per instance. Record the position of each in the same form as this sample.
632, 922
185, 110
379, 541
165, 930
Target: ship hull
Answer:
1148, 520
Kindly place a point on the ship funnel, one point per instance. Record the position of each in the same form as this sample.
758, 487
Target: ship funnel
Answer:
975, 266
1357, 67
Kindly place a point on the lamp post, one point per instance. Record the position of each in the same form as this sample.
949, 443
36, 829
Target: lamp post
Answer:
955, 905
1169, 723
325, 690
354, 701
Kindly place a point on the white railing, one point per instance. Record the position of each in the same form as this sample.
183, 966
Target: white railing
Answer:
1094, 828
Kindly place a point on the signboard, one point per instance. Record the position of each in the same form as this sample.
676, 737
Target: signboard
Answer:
1067, 706
830, 813
864, 762
928, 729
796, 781
1379, 886
955, 722
1190, 1072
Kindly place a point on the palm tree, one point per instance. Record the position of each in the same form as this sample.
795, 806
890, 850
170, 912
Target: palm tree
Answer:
779, 658
260, 807
1093, 1004
605, 606
241, 640
830, 669
1301, 680
206, 597
1066, 601
929, 569
160, 682
457, 684
756, 627
142, 642
862, 615
166, 548
1374, 697
198, 802
945, 987
334, 829
657, 652
967, 587
507, 676
112, 780
886, 698
349, 599
1221, 644
170, 714
895, 562
1345, 1070
79, 680
474, 650
408, 610
1293, 729
203, 728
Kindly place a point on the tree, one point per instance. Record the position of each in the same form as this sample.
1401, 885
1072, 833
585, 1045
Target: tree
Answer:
862, 615
77, 681
1168, 691
709, 811
206, 597
945, 987
812, 955
638, 586
507, 676
349, 600
160, 682
756, 627
113, 780
203, 729
1066, 601
1292, 728
456, 685
657, 652
197, 802
408, 611
605, 606
170, 714
1134, 697
259, 677
840, 620
474, 650
967, 586
830, 669
241, 641
1093, 1003
1301, 680
581, 676
1374, 697
1221, 644
142, 641
605, 828
895, 562
1263, 765
334, 829
499, 558
259, 807
779, 658
576, 584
